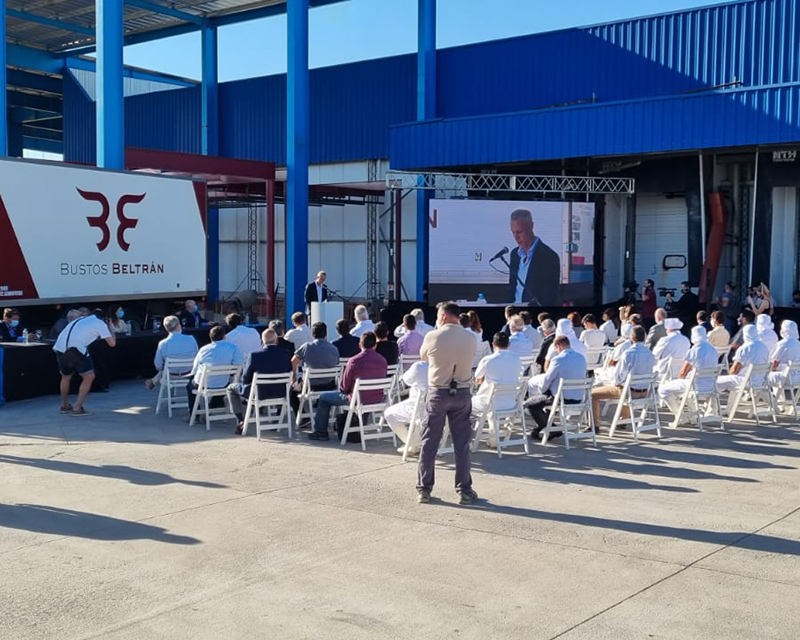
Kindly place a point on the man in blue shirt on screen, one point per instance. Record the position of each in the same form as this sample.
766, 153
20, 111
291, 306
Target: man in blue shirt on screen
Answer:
535, 268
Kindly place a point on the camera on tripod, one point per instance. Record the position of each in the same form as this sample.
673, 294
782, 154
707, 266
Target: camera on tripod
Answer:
664, 291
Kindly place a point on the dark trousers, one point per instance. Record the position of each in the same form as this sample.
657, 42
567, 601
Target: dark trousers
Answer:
537, 410
456, 409
297, 387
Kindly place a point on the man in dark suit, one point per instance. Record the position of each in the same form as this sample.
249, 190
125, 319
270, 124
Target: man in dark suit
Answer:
316, 291
283, 343
345, 343
549, 335
190, 317
271, 359
658, 330
535, 268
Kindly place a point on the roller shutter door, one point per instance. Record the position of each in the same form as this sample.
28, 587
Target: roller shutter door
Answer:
661, 229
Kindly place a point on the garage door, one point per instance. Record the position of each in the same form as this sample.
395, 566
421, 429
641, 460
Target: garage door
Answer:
661, 230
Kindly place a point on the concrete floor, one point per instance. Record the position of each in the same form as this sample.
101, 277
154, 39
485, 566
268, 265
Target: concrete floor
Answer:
130, 525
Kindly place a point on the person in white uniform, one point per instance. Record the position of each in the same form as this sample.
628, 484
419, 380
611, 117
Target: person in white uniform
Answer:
786, 351
519, 343
363, 323
670, 351
701, 356
606, 374
753, 351
502, 367
398, 416
564, 328
766, 331
422, 326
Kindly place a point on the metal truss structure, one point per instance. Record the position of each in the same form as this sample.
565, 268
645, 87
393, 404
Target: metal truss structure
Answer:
373, 223
461, 183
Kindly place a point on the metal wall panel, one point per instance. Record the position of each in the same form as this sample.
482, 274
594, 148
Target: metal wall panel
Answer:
725, 118
79, 123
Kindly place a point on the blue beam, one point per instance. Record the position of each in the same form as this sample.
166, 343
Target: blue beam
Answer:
35, 144
297, 155
32, 101
167, 11
35, 81
27, 58
212, 289
110, 91
3, 84
49, 22
210, 93
426, 110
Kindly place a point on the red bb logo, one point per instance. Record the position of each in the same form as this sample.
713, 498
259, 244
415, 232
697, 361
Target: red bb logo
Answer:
101, 221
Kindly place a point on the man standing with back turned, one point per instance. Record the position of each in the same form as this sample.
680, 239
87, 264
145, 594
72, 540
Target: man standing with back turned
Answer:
449, 351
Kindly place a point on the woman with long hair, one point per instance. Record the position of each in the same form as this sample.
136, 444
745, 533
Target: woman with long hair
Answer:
760, 301
475, 324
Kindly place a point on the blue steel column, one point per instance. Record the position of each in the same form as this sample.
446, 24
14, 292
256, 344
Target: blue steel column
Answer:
297, 124
110, 96
3, 98
210, 146
426, 110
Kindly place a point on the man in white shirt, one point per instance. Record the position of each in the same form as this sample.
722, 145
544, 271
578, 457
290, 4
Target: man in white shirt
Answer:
363, 323
217, 354
175, 345
567, 364
786, 351
670, 351
753, 351
422, 326
398, 416
637, 360
532, 334
608, 327
71, 349
591, 336
701, 356
502, 367
518, 343
301, 332
245, 338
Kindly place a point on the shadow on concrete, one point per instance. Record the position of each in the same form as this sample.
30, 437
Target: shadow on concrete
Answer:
113, 471
80, 524
738, 539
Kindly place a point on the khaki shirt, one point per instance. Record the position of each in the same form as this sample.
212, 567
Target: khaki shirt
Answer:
450, 352
719, 337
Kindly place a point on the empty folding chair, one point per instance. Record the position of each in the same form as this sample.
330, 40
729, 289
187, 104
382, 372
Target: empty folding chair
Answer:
366, 412
700, 400
575, 420
172, 387
206, 393
503, 421
394, 372
308, 395
595, 359
754, 389
639, 396
269, 414
723, 366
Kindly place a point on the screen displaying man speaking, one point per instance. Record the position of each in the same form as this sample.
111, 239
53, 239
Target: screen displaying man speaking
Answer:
531, 253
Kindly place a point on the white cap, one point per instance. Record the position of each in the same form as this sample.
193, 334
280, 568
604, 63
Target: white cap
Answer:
673, 324
698, 334
789, 329
750, 333
763, 321
564, 327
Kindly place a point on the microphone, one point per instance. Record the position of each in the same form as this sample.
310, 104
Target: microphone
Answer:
499, 254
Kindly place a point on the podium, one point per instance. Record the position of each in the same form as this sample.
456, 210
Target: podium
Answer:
328, 312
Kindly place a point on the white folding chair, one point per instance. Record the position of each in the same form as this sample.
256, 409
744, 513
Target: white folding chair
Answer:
505, 420
395, 372
581, 412
790, 386
647, 383
369, 429
595, 359
308, 396
755, 387
282, 416
171, 388
207, 394
722, 359
484, 349
702, 397
415, 423
527, 362
343, 363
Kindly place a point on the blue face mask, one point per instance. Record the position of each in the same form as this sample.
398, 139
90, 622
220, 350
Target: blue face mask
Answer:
15, 323
121, 314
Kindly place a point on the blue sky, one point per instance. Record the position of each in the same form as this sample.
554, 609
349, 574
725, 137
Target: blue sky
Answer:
363, 29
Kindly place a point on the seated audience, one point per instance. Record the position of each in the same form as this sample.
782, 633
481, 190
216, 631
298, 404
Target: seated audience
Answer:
399, 415
363, 323
701, 356
283, 343
464, 321
72, 352
718, 337
317, 354
671, 350
270, 359
746, 317
217, 354
548, 328
567, 364
752, 351
766, 331
386, 347
575, 318
702, 321
422, 326
245, 338
592, 337
540, 318
345, 343
510, 311
518, 343
367, 365
609, 327
533, 335
502, 367
10, 330
301, 333
564, 328
657, 331
190, 317
637, 360
785, 352
175, 345
475, 325
116, 319
410, 339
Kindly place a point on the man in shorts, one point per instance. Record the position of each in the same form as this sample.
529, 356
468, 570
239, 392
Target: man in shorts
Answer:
73, 357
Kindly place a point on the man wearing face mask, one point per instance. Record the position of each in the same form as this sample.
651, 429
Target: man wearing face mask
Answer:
9, 328
687, 306
190, 317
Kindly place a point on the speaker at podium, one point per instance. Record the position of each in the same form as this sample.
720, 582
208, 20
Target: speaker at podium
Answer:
328, 312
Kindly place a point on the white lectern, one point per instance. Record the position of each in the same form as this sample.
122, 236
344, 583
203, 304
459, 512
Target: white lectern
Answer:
328, 312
